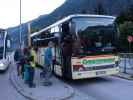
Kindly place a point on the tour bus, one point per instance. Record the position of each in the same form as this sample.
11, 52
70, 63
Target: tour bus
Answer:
4, 50
94, 40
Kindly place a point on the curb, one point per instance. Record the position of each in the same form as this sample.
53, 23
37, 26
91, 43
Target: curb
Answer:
18, 88
27, 95
126, 76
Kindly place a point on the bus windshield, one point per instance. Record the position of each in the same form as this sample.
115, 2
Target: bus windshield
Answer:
94, 35
1, 45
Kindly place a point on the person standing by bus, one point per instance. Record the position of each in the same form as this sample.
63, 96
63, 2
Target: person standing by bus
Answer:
26, 71
48, 60
17, 58
66, 47
32, 61
26, 65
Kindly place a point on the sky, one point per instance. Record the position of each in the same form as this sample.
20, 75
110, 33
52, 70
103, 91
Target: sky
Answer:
31, 9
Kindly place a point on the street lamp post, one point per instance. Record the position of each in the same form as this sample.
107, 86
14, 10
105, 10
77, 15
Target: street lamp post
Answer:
20, 28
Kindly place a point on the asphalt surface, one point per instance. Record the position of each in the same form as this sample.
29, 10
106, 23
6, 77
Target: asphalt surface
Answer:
7, 91
105, 88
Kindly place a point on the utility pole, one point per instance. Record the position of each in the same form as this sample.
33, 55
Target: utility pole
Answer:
29, 32
20, 27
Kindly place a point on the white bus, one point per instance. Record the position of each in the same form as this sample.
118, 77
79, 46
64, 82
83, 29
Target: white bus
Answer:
4, 50
94, 45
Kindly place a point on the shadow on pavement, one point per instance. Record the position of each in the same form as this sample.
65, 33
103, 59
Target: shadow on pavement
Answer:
88, 81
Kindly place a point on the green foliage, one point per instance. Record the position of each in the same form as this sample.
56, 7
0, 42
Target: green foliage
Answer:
126, 15
125, 23
34, 29
121, 18
125, 29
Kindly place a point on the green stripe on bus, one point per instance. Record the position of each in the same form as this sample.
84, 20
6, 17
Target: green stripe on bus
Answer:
97, 61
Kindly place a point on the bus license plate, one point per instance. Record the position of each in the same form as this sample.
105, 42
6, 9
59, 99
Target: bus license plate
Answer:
100, 72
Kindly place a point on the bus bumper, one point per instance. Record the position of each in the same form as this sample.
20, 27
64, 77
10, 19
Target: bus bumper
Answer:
95, 73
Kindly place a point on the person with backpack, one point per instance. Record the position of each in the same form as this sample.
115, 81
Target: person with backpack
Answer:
48, 63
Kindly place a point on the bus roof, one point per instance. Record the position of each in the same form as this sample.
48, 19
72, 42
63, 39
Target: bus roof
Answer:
68, 18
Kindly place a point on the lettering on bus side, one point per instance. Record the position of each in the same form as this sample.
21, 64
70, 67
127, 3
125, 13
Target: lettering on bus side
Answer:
97, 61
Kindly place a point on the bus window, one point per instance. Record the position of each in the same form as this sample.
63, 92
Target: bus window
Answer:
1, 44
1, 52
1, 39
8, 46
95, 36
65, 30
65, 27
55, 29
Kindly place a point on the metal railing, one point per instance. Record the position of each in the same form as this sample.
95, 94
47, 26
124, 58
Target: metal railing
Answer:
126, 63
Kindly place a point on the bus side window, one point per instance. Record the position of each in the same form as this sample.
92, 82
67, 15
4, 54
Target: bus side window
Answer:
65, 27
65, 30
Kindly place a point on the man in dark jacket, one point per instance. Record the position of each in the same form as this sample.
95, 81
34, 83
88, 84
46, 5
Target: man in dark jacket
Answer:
17, 59
67, 53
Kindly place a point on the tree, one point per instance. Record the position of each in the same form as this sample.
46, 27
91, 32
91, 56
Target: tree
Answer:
99, 9
126, 15
125, 23
125, 29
